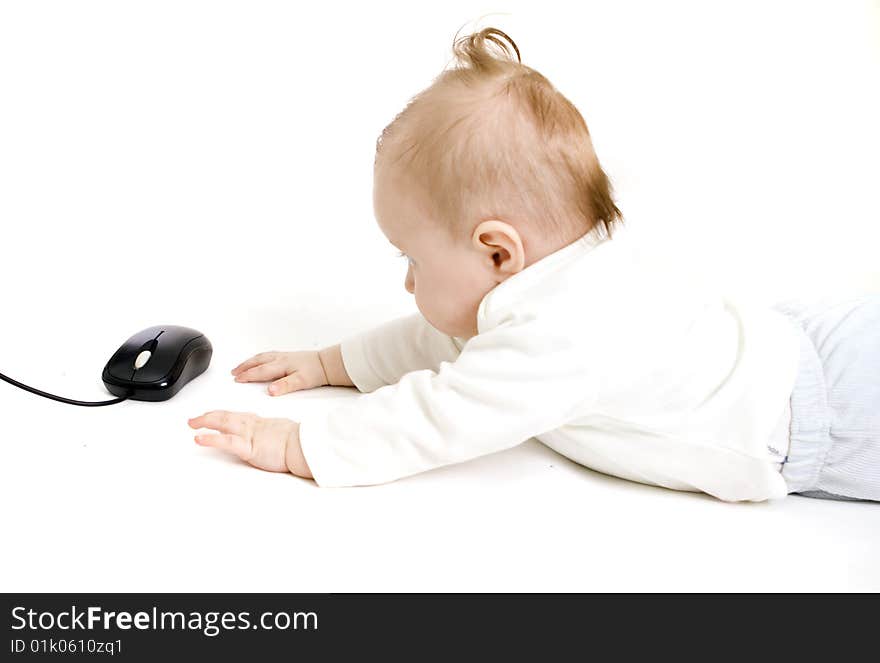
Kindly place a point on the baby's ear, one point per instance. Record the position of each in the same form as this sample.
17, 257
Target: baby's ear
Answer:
501, 244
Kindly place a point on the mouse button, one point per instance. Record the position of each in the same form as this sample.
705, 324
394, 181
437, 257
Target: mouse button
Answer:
155, 370
119, 371
177, 334
163, 361
142, 358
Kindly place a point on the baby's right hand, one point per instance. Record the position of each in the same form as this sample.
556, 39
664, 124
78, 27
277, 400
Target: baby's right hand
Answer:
296, 370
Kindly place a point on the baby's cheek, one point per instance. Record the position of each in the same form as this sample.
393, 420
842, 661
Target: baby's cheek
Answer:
446, 298
435, 307
460, 314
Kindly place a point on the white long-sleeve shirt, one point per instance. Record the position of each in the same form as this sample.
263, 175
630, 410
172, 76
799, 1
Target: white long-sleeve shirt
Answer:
629, 371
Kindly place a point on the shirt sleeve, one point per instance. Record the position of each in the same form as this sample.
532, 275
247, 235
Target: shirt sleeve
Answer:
381, 356
507, 385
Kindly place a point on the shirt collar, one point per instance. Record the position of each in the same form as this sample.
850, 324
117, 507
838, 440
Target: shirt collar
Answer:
505, 293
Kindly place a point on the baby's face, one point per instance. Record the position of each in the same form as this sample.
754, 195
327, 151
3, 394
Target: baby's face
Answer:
448, 279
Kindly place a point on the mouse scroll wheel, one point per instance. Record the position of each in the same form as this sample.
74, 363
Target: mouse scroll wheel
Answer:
142, 359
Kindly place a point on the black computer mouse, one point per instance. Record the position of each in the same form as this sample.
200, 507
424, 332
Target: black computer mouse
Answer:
156, 363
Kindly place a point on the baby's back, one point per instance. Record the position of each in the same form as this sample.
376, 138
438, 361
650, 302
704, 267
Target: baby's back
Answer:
692, 382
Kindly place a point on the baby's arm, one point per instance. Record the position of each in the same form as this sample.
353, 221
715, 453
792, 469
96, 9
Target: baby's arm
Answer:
384, 354
334, 368
367, 361
379, 355
507, 385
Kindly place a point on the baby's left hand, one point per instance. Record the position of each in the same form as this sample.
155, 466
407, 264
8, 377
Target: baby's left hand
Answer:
269, 444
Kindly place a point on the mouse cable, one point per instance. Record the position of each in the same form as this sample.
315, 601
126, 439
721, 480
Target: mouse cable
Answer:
60, 398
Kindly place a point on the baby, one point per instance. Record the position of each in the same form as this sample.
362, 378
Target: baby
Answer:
534, 322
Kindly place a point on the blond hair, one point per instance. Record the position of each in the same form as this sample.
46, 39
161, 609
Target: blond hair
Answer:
492, 137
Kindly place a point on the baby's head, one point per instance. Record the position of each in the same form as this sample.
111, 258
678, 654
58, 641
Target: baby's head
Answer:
483, 173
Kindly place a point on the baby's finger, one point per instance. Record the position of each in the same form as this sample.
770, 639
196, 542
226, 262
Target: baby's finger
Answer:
230, 443
234, 423
253, 361
262, 373
285, 385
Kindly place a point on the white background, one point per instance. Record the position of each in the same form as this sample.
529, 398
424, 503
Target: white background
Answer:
209, 164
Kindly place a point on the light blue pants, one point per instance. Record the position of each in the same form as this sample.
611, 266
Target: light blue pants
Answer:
835, 404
